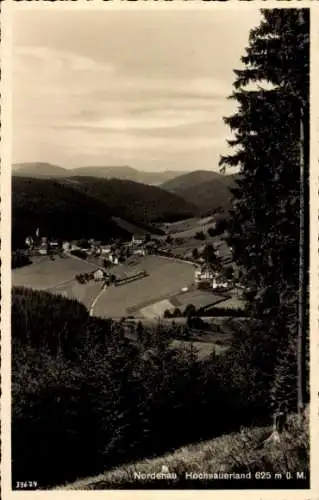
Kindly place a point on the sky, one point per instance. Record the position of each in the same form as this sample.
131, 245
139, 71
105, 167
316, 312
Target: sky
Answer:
147, 89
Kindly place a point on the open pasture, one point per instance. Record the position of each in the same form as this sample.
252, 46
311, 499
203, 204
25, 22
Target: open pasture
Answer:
165, 278
191, 224
45, 274
198, 298
84, 293
233, 303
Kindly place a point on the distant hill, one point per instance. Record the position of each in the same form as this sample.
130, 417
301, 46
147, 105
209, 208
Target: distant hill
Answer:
126, 173
47, 170
189, 179
39, 170
207, 190
134, 200
84, 207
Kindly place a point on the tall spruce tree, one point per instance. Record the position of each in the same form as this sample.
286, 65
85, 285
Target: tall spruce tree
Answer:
270, 206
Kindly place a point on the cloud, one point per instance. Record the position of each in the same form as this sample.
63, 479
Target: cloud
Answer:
55, 62
67, 90
119, 97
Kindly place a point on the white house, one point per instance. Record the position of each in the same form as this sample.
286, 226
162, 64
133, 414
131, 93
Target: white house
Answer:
29, 241
98, 274
217, 283
137, 240
106, 250
139, 251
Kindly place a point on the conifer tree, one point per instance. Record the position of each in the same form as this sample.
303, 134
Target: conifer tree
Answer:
271, 135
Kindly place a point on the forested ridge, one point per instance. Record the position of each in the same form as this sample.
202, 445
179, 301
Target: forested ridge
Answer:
84, 207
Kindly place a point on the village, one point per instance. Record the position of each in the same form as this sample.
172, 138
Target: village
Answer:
163, 276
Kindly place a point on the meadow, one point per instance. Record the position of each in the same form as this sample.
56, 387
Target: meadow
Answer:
166, 278
46, 274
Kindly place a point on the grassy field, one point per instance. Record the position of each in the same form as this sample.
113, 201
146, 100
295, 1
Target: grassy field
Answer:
45, 274
245, 451
190, 225
166, 278
85, 293
232, 303
198, 298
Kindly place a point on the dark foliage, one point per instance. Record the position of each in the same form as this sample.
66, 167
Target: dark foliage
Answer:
19, 259
79, 253
81, 208
200, 235
85, 398
58, 211
264, 225
146, 203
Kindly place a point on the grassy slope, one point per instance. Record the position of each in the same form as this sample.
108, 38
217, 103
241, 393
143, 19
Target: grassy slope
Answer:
235, 452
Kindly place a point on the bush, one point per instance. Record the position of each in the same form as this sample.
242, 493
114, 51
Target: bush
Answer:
212, 231
190, 310
83, 243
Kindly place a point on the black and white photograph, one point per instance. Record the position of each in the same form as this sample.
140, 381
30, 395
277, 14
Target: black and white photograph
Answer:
160, 331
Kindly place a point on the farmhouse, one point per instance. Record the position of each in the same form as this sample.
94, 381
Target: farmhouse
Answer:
203, 275
29, 241
54, 244
210, 278
106, 249
98, 274
66, 246
139, 251
137, 240
112, 257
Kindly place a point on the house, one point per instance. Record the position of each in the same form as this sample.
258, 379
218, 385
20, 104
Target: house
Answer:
106, 250
219, 283
54, 244
66, 246
29, 241
137, 240
98, 274
139, 251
